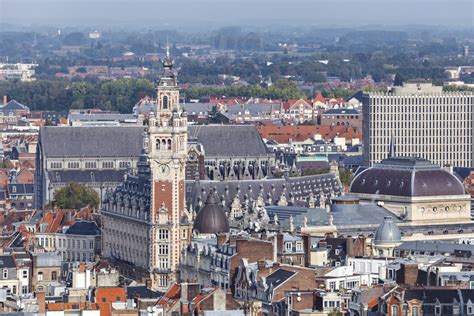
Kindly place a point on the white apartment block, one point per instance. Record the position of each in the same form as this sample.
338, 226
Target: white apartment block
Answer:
423, 121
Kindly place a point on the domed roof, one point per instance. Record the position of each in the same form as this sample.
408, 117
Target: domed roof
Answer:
211, 219
406, 176
387, 232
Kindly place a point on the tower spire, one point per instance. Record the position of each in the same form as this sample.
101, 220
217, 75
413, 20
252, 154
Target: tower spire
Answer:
167, 48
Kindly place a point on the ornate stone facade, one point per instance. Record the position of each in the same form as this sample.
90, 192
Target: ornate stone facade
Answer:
153, 201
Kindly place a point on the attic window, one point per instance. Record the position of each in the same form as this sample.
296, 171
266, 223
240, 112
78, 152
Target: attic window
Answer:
14, 189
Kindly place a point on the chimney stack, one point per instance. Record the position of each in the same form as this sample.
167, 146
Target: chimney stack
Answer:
5, 99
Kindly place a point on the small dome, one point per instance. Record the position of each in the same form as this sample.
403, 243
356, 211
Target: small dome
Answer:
211, 219
387, 232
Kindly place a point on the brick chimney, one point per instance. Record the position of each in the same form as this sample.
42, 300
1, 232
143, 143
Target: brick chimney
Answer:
408, 274
41, 300
5, 99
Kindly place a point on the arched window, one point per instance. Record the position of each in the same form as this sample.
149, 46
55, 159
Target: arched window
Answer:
165, 102
163, 144
158, 144
169, 144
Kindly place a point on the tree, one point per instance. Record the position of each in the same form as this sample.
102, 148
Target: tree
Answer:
398, 80
345, 175
75, 196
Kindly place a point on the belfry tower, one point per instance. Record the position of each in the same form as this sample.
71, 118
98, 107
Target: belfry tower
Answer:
167, 150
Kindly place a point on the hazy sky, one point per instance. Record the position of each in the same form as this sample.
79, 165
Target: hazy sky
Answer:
211, 13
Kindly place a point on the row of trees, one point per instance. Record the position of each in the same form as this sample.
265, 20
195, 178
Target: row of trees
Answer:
283, 90
62, 95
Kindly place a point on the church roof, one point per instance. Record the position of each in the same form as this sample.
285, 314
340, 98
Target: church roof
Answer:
88, 176
110, 141
229, 140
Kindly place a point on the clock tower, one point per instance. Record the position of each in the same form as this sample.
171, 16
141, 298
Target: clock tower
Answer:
167, 150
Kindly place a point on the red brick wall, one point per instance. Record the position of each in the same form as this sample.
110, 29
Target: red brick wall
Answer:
163, 193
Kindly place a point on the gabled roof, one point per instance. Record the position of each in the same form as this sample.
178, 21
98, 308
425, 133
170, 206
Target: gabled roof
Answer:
84, 228
91, 141
319, 98
13, 105
229, 140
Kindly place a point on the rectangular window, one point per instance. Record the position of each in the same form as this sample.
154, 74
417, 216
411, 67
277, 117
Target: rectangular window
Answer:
163, 234
91, 244
5, 273
84, 244
163, 263
437, 310
25, 274
299, 246
24, 289
107, 164
163, 280
40, 276
54, 276
163, 249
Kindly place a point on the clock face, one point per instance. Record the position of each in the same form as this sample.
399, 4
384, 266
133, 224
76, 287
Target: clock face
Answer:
192, 156
163, 170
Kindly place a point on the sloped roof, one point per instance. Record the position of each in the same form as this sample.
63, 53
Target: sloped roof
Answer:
406, 176
229, 140
87, 176
342, 111
83, 228
14, 105
282, 134
91, 141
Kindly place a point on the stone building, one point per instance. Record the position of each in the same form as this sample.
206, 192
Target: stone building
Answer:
145, 223
232, 152
95, 156
414, 189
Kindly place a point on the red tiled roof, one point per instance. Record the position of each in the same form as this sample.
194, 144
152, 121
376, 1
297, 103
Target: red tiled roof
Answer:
319, 97
282, 134
171, 297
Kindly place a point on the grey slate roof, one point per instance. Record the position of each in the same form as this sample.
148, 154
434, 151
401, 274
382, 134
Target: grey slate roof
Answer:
278, 277
271, 189
387, 232
434, 246
406, 176
87, 176
229, 140
14, 105
342, 111
101, 117
111, 141
197, 108
20, 189
84, 228
7, 262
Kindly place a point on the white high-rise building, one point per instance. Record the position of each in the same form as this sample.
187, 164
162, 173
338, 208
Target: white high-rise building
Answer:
420, 120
